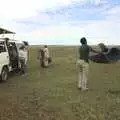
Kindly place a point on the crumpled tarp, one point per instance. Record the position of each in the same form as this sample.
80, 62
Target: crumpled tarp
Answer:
112, 56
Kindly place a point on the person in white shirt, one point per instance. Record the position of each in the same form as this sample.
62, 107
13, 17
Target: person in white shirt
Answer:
46, 56
22, 56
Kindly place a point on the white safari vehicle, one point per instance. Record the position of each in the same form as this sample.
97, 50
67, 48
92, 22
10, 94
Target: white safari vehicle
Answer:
9, 56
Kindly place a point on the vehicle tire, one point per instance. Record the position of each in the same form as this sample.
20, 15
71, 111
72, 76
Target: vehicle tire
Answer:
4, 74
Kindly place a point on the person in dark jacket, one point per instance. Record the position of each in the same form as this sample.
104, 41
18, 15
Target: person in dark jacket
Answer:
83, 64
41, 57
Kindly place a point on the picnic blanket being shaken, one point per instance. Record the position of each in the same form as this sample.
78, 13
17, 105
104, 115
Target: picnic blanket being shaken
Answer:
112, 56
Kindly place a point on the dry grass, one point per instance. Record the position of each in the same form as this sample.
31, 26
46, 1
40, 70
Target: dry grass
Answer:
52, 94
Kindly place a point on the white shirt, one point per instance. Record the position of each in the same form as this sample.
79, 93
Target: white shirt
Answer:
46, 51
22, 54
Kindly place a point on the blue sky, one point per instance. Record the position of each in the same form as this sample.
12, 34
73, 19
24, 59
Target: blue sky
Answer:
62, 21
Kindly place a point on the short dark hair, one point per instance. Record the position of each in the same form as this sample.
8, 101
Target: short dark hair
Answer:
83, 40
45, 46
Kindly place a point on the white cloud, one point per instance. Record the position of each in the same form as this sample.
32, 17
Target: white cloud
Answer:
113, 13
13, 9
66, 33
115, 10
95, 31
26, 8
97, 2
10, 10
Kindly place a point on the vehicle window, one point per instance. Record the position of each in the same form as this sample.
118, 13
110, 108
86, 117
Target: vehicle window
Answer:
2, 47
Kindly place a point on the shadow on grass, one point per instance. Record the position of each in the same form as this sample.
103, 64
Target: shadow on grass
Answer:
11, 75
115, 92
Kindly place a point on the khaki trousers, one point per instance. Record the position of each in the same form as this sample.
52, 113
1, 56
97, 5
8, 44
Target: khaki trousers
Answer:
46, 61
23, 66
83, 68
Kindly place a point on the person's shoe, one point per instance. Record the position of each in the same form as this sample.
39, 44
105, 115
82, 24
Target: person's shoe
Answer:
24, 75
85, 89
80, 88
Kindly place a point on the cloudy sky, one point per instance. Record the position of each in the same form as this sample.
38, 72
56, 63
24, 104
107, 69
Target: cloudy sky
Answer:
62, 21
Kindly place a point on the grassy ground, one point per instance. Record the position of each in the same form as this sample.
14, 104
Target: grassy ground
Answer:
52, 94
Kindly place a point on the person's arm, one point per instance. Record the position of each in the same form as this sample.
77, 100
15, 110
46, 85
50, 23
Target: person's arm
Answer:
92, 50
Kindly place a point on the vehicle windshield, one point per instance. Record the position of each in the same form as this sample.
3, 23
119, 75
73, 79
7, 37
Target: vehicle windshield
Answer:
2, 46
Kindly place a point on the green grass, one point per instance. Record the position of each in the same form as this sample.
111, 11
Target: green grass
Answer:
52, 94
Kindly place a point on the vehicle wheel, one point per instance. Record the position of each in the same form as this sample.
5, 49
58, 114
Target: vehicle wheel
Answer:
4, 74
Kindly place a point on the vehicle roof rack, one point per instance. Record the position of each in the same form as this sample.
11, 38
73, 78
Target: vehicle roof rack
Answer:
4, 31
8, 39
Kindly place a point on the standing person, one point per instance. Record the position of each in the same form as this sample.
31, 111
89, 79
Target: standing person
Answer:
22, 56
26, 50
83, 64
103, 48
46, 56
40, 57
104, 52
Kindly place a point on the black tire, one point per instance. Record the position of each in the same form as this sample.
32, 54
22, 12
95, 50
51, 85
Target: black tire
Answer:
4, 74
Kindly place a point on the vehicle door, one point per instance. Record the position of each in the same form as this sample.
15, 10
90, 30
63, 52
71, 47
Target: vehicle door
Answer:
4, 56
13, 53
